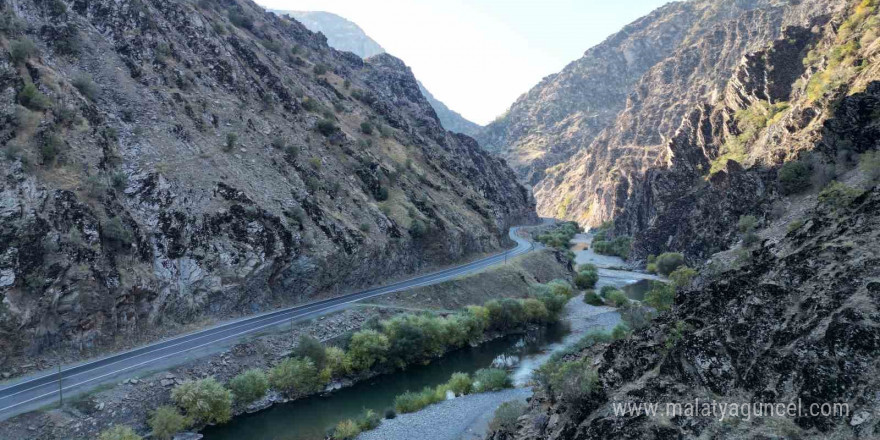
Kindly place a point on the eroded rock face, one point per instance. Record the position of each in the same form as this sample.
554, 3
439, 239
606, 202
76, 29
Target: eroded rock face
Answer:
583, 137
209, 160
799, 323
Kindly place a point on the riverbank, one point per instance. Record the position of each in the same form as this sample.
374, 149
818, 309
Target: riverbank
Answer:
468, 417
130, 400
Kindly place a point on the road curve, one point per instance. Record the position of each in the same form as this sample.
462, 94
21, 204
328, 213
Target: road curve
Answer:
33, 392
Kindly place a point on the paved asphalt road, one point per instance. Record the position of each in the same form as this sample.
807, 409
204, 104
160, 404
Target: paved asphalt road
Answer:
32, 392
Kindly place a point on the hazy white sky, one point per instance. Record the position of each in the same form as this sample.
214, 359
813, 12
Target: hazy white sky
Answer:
478, 56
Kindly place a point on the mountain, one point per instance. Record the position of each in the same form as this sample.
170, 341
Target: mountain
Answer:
768, 185
347, 36
341, 34
582, 135
171, 162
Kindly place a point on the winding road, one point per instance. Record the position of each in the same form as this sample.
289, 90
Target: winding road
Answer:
33, 392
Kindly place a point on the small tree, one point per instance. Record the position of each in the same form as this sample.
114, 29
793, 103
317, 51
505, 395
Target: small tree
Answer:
249, 386
747, 225
204, 400
296, 375
682, 277
311, 348
366, 128
661, 297
119, 432
86, 86
460, 384
794, 177
491, 379
167, 421
367, 348
668, 262
32, 98
326, 127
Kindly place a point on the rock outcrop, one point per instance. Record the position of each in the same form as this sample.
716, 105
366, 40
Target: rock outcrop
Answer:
167, 162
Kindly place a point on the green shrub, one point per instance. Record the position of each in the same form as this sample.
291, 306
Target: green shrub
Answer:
794, 177
619, 246
310, 105
32, 98
231, 142
369, 420
119, 432
637, 317
116, 233
586, 279
326, 127
320, 69
606, 290
618, 298
661, 296
794, 226
366, 128
621, 331
460, 384
367, 348
414, 339
167, 421
506, 417
535, 311
21, 50
50, 147
346, 430
651, 268
241, 19
249, 386
869, 163
296, 375
561, 287
491, 379
86, 86
310, 347
571, 381
682, 277
407, 402
390, 414
668, 262
205, 400
505, 314
593, 299
838, 195
335, 360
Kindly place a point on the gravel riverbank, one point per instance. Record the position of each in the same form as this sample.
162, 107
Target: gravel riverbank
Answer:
457, 419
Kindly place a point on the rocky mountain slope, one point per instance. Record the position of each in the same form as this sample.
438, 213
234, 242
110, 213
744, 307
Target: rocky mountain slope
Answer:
347, 36
166, 162
790, 316
581, 136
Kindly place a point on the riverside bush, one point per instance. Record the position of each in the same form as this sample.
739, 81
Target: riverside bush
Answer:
668, 262
661, 296
587, 277
535, 311
119, 432
593, 299
460, 384
369, 420
205, 400
346, 430
249, 386
491, 379
619, 246
167, 421
569, 381
367, 348
560, 235
506, 417
505, 314
310, 347
297, 375
618, 298
682, 277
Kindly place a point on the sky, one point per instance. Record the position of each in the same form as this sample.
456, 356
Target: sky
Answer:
479, 56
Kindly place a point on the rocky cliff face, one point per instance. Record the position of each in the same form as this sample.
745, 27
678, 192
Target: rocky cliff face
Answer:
347, 36
583, 135
169, 161
795, 317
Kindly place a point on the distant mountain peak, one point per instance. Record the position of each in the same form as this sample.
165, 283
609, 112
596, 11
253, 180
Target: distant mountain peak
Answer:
343, 34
